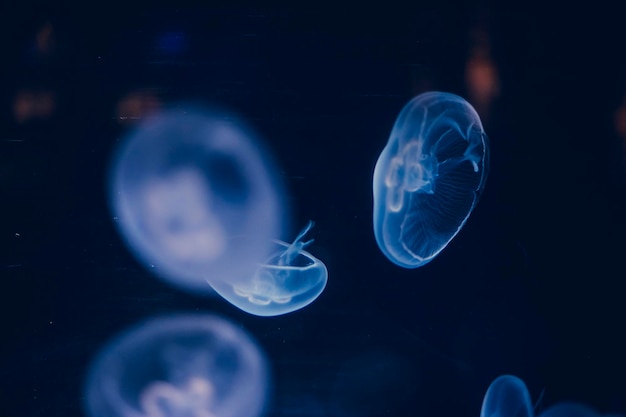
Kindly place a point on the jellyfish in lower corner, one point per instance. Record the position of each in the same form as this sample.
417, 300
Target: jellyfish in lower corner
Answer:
289, 279
179, 366
195, 197
507, 396
428, 178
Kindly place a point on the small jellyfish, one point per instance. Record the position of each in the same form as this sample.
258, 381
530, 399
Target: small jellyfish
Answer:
290, 279
507, 396
196, 197
179, 366
428, 178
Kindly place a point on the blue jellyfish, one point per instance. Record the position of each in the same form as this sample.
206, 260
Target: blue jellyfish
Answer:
428, 178
196, 198
507, 396
178, 366
290, 279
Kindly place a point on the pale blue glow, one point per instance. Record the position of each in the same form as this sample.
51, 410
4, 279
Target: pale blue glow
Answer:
507, 396
290, 279
428, 177
196, 198
179, 366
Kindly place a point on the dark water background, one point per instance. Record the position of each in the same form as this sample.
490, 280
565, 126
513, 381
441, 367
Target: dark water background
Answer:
533, 285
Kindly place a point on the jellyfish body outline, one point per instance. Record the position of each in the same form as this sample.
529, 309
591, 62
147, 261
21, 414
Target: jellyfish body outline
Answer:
185, 185
428, 178
291, 278
507, 396
196, 365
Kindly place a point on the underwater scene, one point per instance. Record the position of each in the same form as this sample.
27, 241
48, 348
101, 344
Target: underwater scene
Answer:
262, 210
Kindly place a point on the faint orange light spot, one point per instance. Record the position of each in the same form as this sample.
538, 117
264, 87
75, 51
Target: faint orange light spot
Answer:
45, 41
482, 80
136, 105
481, 74
29, 105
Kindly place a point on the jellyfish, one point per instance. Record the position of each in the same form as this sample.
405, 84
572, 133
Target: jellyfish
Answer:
178, 366
428, 178
196, 198
507, 396
289, 279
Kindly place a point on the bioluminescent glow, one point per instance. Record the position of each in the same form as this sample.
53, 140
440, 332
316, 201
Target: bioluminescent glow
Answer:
507, 396
290, 279
428, 178
179, 366
196, 198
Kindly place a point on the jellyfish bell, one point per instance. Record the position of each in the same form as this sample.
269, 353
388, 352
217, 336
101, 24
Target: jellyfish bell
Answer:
185, 186
288, 280
507, 395
428, 178
182, 365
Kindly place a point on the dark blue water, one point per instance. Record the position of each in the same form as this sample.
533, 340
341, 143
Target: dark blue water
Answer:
532, 286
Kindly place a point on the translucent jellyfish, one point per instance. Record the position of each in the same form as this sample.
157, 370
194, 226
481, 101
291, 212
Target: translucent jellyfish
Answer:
195, 197
428, 177
507, 396
179, 366
290, 279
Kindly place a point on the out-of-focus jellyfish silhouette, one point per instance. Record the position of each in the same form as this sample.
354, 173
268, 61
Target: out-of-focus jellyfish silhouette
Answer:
178, 366
507, 396
290, 279
196, 198
428, 178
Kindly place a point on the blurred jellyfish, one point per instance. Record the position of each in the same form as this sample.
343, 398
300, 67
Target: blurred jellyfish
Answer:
290, 279
179, 366
428, 178
196, 198
507, 396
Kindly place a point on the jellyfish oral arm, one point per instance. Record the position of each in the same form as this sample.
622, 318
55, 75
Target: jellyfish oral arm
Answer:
293, 250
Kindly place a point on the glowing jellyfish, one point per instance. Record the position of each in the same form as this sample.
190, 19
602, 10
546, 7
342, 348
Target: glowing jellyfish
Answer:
179, 366
290, 279
507, 396
196, 198
428, 178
